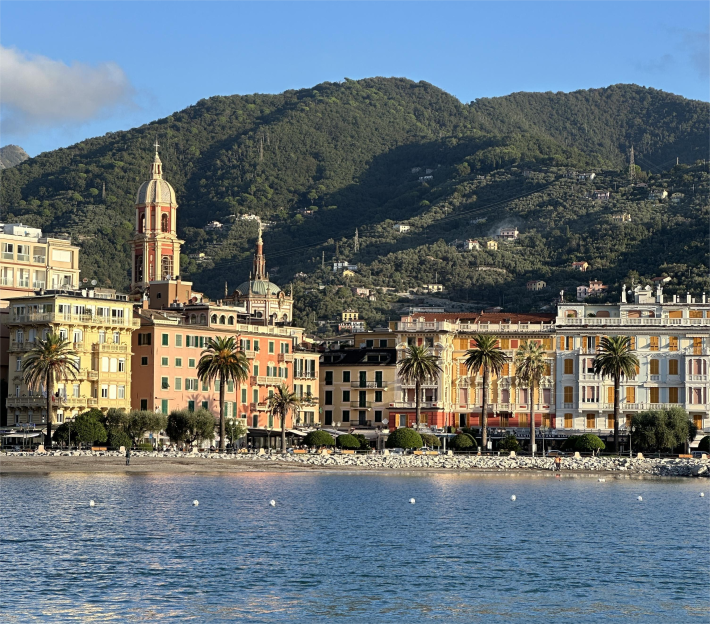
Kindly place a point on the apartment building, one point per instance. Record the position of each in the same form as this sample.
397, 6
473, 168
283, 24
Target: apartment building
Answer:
671, 340
99, 324
357, 385
31, 261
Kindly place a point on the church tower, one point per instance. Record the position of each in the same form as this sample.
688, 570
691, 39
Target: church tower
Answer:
155, 248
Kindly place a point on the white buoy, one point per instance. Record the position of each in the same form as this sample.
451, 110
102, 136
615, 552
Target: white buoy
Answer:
513, 497
702, 494
195, 503
601, 480
412, 501
640, 498
91, 503
272, 503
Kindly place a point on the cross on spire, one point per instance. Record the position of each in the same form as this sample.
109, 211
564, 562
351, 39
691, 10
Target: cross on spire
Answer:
156, 145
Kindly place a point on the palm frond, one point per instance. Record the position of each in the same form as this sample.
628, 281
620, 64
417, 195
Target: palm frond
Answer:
485, 355
419, 364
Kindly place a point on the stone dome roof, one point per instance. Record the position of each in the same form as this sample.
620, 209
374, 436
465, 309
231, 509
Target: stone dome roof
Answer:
156, 190
258, 287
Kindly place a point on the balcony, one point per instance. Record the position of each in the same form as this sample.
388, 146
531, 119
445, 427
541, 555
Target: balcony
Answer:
23, 283
57, 317
92, 375
285, 357
7, 281
37, 285
370, 385
39, 259
249, 354
361, 404
21, 346
431, 383
616, 322
8, 255
413, 405
269, 381
302, 375
697, 378
23, 257
106, 347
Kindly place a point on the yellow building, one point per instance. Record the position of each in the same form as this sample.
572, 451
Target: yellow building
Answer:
492, 245
349, 315
99, 323
30, 261
356, 386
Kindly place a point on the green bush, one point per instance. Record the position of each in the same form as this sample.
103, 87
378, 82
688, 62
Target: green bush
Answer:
318, 438
404, 438
364, 442
705, 444
347, 441
118, 438
430, 440
144, 446
570, 444
588, 442
509, 443
463, 442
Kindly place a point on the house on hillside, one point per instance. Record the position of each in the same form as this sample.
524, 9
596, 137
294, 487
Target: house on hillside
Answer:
471, 245
624, 217
535, 285
344, 266
580, 266
361, 292
492, 245
583, 177
401, 227
349, 315
595, 288
601, 195
676, 198
508, 233
426, 178
431, 288
213, 225
658, 194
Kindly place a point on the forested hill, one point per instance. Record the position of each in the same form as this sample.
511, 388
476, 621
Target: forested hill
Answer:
318, 163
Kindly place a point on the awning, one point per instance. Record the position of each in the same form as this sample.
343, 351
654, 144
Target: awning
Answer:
21, 435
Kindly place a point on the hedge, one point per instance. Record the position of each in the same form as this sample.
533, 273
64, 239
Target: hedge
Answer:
430, 440
318, 438
509, 443
589, 442
347, 441
463, 442
404, 438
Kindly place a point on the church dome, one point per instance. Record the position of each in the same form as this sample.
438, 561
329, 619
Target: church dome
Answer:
156, 190
258, 287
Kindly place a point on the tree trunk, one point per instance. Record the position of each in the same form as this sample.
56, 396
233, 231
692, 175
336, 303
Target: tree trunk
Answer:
532, 418
50, 411
418, 412
617, 391
283, 432
222, 424
484, 410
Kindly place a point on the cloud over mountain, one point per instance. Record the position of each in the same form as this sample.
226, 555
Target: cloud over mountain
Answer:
38, 91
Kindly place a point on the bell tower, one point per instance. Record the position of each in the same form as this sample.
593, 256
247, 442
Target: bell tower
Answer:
155, 248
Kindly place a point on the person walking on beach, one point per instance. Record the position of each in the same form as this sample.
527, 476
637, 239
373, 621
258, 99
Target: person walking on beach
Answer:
557, 466
128, 456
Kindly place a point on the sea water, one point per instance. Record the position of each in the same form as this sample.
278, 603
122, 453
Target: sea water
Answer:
349, 547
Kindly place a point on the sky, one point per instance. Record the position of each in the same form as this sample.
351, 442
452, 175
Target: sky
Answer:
73, 70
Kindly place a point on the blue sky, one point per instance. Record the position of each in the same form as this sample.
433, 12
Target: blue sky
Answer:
71, 70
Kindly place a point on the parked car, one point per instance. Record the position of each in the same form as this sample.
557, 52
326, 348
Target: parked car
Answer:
699, 454
556, 453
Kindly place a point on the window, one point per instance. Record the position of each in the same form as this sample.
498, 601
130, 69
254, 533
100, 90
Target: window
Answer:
378, 416
672, 367
216, 385
632, 344
569, 394
346, 376
191, 406
178, 383
631, 394
112, 391
328, 417
121, 365
165, 340
205, 404
121, 392
144, 404
568, 421
591, 421
116, 337
18, 364
178, 340
569, 366
610, 394
429, 342
164, 361
104, 392
610, 421
113, 365
104, 364
673, 395
672, 343
102, 337
329, 397
164, 383
164, 406
191, 363
328, 378
653, 394
255, 395
378, 396
284, 347
654, 365
653, 343
383, 345
256, 345
178, 362
230, 385
346, 415
346, 396
271, 346
144, 360
143, 339
244, 395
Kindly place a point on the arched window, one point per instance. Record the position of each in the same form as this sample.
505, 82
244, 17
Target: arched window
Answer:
193, 319
139, 268
203, 319
141, 223
222, 320
164, 225
167, 267
214, 319
258, 314
230, 320
284, 318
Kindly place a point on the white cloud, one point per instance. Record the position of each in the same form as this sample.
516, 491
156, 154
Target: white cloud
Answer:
37, 91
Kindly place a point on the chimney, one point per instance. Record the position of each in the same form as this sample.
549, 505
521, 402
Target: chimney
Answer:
704, 298
687, 297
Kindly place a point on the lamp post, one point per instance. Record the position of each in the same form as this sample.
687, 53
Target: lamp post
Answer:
631, 430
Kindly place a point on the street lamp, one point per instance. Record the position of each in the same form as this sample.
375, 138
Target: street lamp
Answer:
631, 430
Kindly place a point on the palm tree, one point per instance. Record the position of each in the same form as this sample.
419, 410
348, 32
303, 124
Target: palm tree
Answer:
280, 404
418, 365
488, 357
222, 360
530, 366
52, 358
615, 359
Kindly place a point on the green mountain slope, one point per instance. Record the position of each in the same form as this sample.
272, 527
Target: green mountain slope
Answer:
319, 163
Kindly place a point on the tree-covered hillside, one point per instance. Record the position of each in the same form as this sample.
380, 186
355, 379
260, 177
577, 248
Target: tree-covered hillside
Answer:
317, 164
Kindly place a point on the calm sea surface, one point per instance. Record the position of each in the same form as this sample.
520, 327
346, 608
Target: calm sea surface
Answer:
350, 548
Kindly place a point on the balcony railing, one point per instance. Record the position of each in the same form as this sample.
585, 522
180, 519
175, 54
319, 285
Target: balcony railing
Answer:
412, 404
23, 257
39, 259
302, 375
37, 285
285, 357
369, 385
21, 346
361, 404
611, 322
697, 377
7, 281
57, 317
108, 347
6, 255
250, 355
269, 381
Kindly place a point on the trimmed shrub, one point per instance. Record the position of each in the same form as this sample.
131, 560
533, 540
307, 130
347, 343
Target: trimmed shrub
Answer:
318, 438
705, 444
589, 442
118, 438
570, 444
347, 441
463, 442
430, 440
144, 446
404, 438
509, 443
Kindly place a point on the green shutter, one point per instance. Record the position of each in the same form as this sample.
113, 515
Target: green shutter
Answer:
164, 406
